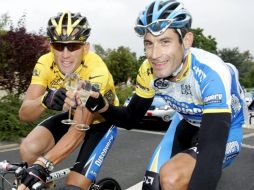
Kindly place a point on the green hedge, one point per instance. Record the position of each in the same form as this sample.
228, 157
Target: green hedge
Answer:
12, 129
123, 92
10, 126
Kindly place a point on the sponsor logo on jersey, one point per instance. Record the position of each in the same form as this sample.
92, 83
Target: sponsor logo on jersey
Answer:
185, 110
110, 96
215, 98
161, 83
36, 72
182, 107
96, 76
148, 180
57, 82
235, 103
232, 150
201, 75
138, 85
186, 89
232, 147
149, 71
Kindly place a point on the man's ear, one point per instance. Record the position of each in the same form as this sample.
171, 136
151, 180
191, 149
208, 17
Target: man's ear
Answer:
188, 40
86, 47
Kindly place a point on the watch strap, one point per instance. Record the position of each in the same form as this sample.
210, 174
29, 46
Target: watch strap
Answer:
47, 163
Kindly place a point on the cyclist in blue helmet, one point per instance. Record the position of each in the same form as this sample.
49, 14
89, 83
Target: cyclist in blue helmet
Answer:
205, 134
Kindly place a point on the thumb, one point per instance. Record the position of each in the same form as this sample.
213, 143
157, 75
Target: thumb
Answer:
94, 94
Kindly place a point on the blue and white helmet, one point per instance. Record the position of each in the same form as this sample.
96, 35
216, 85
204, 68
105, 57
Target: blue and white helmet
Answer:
162, 14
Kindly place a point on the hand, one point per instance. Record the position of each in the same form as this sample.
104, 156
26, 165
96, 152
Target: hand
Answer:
95, 102
54, 99
34, 174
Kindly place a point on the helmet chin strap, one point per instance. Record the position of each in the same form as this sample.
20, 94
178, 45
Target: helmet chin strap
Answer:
178, 70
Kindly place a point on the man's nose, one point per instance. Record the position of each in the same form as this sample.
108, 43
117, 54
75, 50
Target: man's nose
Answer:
155, 52
66, 52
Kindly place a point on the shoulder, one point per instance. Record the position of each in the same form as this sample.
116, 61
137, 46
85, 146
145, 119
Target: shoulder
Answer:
145, 70
93, 58
205, 57
205, 63
144, 80
47, 58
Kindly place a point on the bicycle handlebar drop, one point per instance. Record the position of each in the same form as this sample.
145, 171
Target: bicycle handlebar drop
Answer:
6, 166
17, 169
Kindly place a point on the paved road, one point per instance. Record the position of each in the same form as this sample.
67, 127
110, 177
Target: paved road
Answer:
128, 158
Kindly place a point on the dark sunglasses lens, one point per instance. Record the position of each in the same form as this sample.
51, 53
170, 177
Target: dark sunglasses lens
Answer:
70, 46
58, 46
73, 46
140, 30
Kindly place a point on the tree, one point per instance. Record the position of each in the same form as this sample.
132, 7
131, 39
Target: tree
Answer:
243, 62
4, 21
122, 64
200, 41
18, 55
101, 52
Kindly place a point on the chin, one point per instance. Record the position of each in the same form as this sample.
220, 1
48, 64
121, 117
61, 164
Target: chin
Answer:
161, 74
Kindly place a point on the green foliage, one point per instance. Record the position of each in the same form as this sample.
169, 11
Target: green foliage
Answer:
10, 126
18, 54
101, 52
122, 64
201, 41
123, 92
243, 62
4, 22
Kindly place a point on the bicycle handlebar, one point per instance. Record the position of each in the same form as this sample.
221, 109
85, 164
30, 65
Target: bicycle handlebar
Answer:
6, 166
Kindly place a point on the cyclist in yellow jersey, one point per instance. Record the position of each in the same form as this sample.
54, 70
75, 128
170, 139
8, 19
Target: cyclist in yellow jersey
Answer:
51, 141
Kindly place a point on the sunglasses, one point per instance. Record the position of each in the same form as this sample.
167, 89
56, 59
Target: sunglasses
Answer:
156, 28
70, 46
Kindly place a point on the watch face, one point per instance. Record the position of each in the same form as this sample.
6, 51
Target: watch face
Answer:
49, 166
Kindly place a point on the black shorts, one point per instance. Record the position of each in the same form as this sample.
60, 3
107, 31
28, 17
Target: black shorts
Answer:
185, 139
92, 138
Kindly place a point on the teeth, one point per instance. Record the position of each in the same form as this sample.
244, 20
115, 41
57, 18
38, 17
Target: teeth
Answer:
66, 63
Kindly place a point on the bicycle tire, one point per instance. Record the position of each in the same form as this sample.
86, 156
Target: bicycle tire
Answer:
108, 183
68, 187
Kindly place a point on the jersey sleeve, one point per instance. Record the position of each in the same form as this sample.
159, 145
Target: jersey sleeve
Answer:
144, 79
215, 91
101, 78
40, 73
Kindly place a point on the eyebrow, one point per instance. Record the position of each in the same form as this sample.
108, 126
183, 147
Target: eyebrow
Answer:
165, 38
161, 39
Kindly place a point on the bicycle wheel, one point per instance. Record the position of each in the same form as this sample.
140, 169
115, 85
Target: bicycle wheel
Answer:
68, 187
107, 184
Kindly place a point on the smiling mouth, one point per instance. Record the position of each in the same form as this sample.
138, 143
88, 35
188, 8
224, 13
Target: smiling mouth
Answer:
66, 63
159, 64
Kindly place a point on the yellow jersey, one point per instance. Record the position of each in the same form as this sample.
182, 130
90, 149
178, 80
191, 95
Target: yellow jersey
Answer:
92, 68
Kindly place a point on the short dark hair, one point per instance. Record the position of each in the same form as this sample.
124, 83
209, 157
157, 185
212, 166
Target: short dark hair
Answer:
183, 32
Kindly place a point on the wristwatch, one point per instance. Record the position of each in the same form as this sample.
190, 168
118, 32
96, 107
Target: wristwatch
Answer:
48, 164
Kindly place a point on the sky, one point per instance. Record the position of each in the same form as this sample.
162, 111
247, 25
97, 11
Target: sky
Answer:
230, 22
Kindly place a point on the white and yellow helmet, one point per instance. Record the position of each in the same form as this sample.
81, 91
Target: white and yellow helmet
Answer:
67, 26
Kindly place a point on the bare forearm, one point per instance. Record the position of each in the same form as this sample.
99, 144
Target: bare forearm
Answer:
31, 110
67, 144
72, 139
